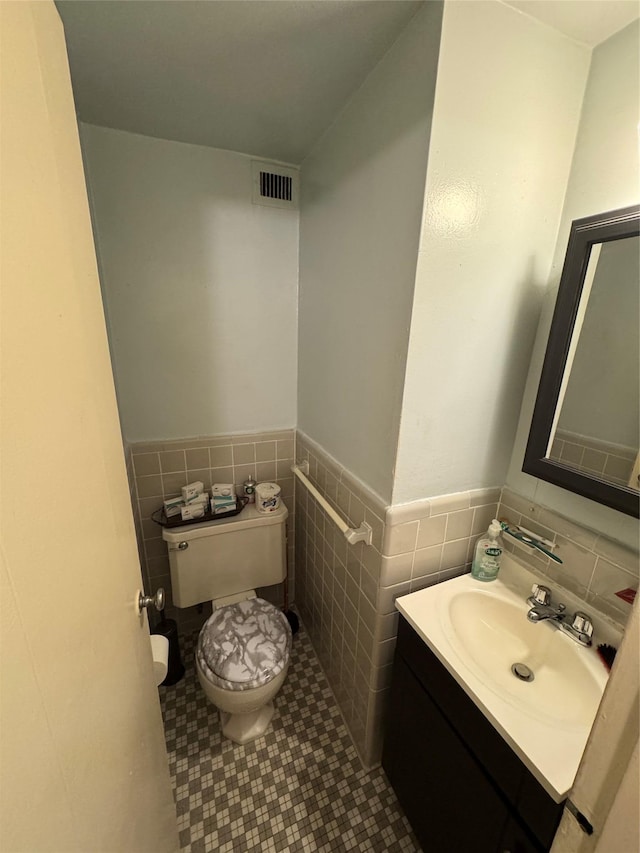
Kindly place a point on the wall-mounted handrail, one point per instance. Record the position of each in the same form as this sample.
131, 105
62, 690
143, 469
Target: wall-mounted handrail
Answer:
351, 534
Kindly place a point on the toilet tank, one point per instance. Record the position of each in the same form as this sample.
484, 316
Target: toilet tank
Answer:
224, 557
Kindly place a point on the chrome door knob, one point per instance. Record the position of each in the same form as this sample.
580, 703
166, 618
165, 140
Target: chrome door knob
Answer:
147, 600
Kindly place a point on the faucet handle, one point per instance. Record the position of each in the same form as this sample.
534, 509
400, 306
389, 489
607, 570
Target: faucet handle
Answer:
580, 629
582, 623
541, 594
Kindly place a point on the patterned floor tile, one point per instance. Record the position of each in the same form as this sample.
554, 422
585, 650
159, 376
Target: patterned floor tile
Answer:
299, 789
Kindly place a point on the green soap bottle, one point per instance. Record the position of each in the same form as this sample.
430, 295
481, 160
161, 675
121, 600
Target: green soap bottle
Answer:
486, 559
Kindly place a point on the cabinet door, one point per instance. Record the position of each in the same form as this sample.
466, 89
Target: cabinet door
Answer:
515, 839
490, 750
447, 798
537, 811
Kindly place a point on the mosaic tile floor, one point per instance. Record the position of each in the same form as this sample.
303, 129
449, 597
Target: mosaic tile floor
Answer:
300, 788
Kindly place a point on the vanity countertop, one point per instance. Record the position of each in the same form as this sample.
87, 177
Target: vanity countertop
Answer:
478, 630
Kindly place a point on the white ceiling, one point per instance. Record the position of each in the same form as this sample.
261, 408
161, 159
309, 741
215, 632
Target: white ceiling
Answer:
587, 21
264, 78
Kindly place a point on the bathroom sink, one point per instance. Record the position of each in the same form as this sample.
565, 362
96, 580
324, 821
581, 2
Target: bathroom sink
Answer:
491, 632
479, 631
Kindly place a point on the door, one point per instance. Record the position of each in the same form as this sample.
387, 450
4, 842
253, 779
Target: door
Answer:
606, 788
83, 761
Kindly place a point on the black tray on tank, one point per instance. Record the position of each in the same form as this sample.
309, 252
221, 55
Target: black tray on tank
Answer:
176, 521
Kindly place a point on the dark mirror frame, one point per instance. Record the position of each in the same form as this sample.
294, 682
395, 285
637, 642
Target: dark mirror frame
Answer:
614, 225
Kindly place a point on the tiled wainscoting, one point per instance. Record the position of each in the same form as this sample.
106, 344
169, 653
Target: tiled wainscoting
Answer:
614, 462
346, 593
158, 470
336, 591
593, 567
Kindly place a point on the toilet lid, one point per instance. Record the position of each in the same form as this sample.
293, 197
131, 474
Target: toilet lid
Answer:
244, 645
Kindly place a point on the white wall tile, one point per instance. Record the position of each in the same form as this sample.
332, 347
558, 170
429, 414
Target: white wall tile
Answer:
396, 569
459, 525
426, 561
454, 553
450, 503
400, 538
431, 531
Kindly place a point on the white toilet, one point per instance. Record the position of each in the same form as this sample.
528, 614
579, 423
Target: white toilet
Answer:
243, 649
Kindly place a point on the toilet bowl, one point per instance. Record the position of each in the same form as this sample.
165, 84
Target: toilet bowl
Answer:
242, 658
243, 649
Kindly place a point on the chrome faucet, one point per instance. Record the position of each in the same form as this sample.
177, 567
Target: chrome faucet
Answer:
541, 608
581, 627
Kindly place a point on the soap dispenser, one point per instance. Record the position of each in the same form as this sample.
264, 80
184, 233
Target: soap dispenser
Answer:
486, 559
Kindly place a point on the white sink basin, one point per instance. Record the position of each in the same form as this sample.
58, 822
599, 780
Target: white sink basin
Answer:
491, 633
479, 631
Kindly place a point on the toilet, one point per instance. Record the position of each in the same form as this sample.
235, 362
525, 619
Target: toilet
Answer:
243, 650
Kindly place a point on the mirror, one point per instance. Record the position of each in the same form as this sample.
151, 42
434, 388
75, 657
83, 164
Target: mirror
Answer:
586, 421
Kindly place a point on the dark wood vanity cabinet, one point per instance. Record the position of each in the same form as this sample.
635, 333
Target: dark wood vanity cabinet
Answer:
461, 785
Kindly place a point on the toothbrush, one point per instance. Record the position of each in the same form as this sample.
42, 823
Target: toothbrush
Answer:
540, 544
535, 544
515, 533
535, 536
528, 539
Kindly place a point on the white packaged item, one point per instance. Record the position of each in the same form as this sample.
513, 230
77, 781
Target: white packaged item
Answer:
201, 499
218, 509
172, 507
191, 490
222, 504
267, 497
192, 511
223, 498
226, 501
223, 490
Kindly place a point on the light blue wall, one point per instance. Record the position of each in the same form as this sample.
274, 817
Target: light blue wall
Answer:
605, 175
362, 195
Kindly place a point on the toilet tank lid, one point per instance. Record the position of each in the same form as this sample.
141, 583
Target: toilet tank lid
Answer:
249, 517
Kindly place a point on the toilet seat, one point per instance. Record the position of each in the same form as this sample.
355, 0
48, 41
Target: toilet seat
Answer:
244, 645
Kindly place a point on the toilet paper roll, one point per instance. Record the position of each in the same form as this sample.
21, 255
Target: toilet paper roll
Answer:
160, 652
267, 497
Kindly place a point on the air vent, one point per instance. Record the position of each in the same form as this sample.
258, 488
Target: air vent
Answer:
274, 186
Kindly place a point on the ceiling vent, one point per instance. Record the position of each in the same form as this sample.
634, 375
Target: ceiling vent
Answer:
275, 186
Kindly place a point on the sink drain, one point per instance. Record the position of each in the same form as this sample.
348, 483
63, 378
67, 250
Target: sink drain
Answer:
522, 671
